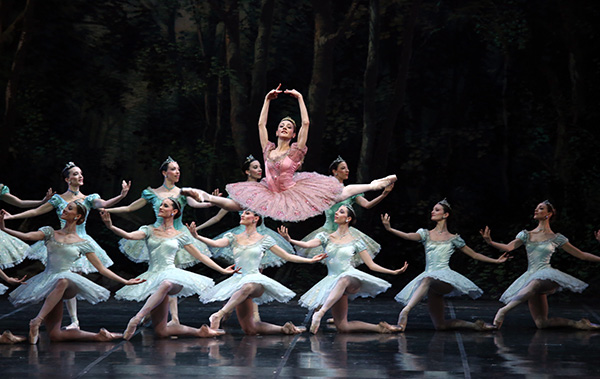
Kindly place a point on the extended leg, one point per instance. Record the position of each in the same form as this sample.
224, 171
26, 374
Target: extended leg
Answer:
245, 314
538, 307
221, 202
416, 297
162, 329
355, 189
340, 319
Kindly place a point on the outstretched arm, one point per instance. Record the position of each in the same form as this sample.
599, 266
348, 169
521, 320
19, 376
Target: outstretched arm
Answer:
10, 280
31, 236
213, 220
367, 204
137, 235
108, 273
487, 236
294, 258
263, 134
13, 200
221, 242
100, 203
480, 257
303, 132
138, 204
44, 208
207, 261
580, 254
385, 220
304, 244
375, 267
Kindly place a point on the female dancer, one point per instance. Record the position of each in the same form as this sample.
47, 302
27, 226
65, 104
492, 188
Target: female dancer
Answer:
57, 282
285, 195
136, 249
439, 280
73, 176
343, 281
12, 250
340, 171
540, 279
251, 285
163, 279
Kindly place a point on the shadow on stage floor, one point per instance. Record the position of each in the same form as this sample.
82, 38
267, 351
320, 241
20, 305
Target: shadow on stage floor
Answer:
518, 350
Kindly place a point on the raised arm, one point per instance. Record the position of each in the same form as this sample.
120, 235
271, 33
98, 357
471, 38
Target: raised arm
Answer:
137, 235
375, 267
580, 254
100, 203
138, 204
487, 236
385, 220
207, 261
303, 132
221, 242
294, 258
213, 220
263, 134
303, 244
108, 273
13, 200
42, 209
367, 204
480, 257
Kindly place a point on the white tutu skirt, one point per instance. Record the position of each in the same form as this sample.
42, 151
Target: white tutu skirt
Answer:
193, 284
462, 285
38, 288
39, 252
370, 286
12, 250
3, 289
565, 281
274, 291
137, 251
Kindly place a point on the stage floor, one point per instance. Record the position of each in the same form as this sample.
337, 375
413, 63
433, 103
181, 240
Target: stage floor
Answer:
518, 350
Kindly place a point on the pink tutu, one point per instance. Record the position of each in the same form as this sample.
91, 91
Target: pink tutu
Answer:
284, 194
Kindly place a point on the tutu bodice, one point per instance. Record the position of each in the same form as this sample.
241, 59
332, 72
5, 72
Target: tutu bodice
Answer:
279, 172
438, 253
12, 249
62, 255
163, 250
539, 268
248, 257
340, 256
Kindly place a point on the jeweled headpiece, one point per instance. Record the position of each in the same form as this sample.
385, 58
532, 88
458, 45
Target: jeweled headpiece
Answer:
337, 160
548, 204
288, 118
350, 208
167, 161
445, 202
249, 158
69, 166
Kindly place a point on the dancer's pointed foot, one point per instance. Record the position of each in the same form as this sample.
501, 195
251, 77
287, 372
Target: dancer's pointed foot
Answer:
205, 332
173, 322
403, 319
8, 337
72, 326
215, 319
290, 328
131, 327
585, 324
378, 184
34, 329
484, 326
386, 328
105, 336
499, 319
316, 321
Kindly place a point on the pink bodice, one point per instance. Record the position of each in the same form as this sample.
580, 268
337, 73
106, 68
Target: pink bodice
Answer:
279, 172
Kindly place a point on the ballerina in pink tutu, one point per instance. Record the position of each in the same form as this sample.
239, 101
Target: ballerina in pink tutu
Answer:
284, 194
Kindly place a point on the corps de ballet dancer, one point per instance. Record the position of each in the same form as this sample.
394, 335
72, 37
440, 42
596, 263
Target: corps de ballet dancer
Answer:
73, 176
163, 279
439, 280
343, 280
242, 290
57, 282
137, 250
339, 169
283, 194
541, 279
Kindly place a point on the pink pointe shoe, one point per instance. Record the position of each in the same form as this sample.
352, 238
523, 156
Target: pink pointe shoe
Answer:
378, 184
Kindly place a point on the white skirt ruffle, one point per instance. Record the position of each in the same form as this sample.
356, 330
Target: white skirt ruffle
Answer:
565, 281
274, 291
462, 285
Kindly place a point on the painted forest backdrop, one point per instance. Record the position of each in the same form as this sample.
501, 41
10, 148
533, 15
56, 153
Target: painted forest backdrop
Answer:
490, 103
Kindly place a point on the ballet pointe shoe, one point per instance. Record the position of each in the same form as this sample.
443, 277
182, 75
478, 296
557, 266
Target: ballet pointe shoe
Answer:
484, 326
316, 322
105, 336
8, 337
72, 326
215, 319
585, 324
378, 184
34, 329
131, 328
403, 319
385, 328
289, 328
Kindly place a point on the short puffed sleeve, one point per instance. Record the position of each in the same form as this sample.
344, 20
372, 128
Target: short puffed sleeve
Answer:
48, 232
268, 147
146, 229
230, 237
56, 201
148, 195
323, 237
458, 242
267, 242
89, 200
85, 248
3, 190
523, 236
359, 245
296, 154
560, 240
185, 239
424, 233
